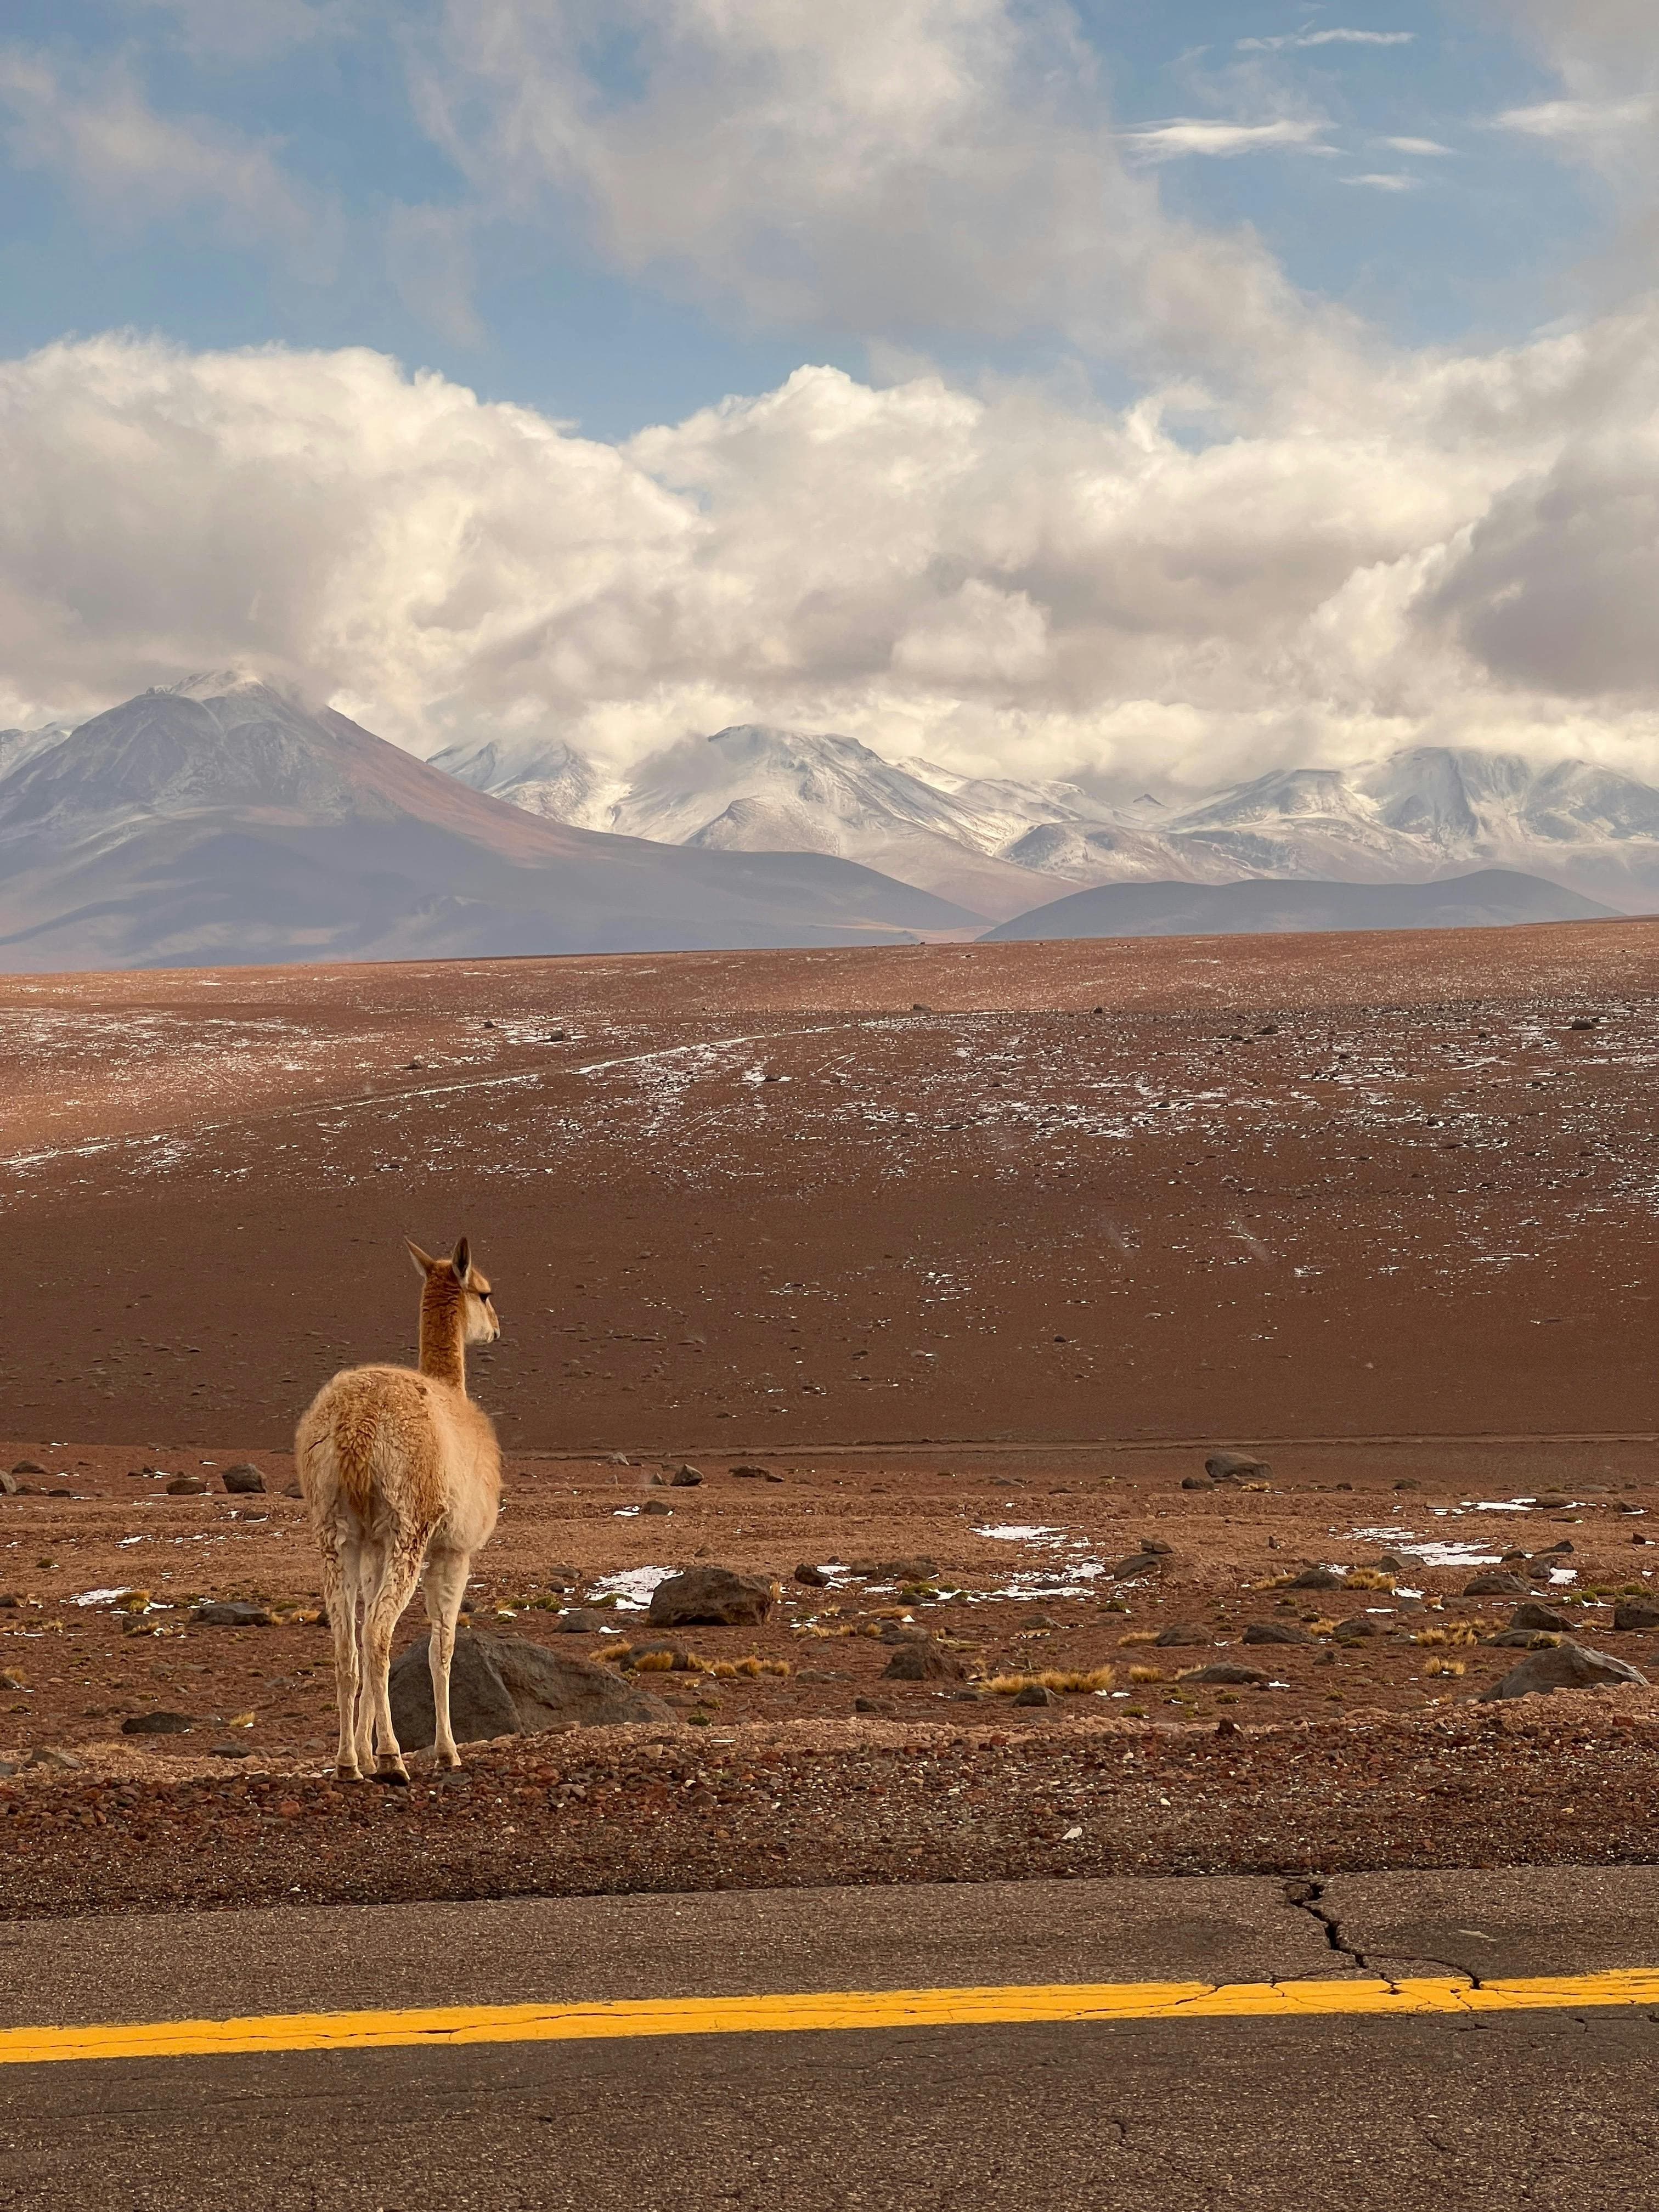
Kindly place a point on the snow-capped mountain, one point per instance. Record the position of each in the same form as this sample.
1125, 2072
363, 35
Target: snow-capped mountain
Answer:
1415, 816
223, 820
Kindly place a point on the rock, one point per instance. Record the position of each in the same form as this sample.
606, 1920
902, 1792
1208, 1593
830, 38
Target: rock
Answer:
230, 1751
1630, 1613
1277, 1631
1568, 1667
293, 1490
231, 1613
1356, 1628
1197, 1482
157, 1725
656, 1505
922, 1660
1522, 1639
685, 1478
244, 1479
1154, 1547
749, 1474
27, 1467
1494, 1584
580, 1620
1230, 1671
915, 1568
1034, 1694
1553, 1501
813, 1578
1138, 1563
8, 1600
1234, 1466
1533, 1615
63, 1762
508, 1686
1181, 1632
1040, 1620
186, 1486
872, 1706
1315, 1578
717, 1595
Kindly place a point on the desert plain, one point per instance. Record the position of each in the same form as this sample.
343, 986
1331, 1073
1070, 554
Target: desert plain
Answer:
946, 1269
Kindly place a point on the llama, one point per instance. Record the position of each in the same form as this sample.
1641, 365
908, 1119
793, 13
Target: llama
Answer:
403, 1477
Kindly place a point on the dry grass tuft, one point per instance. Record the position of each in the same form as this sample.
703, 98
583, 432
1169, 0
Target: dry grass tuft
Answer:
1427, 1635
1462, 1631
1064, 1681
1145, 1674
1136, 1636
133, 1600
655, 1662
1446, 1667
1370, 1578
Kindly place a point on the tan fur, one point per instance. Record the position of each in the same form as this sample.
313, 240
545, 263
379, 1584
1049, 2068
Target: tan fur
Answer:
403, 1477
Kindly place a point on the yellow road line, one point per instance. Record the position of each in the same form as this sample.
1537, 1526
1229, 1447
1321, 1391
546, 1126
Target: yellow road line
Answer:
442, 2026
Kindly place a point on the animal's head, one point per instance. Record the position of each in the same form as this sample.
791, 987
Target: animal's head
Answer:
460, 1277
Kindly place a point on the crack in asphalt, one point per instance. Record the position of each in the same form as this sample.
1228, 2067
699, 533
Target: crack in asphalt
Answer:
1308, 1896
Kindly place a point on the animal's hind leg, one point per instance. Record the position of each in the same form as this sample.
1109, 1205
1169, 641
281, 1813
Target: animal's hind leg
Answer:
442, 1582
406, 1554
340, 1597
361, 1587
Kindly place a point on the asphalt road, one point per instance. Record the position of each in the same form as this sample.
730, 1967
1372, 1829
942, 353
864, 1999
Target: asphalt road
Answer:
1533, 2108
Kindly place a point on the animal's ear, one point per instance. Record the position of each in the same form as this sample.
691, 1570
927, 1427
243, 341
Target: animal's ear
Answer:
424, 1263
461, 1260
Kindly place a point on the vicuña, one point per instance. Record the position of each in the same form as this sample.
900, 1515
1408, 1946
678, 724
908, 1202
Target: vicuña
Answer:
403, 1477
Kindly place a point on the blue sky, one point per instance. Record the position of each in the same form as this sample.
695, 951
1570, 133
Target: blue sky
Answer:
1054, 387
1479, 242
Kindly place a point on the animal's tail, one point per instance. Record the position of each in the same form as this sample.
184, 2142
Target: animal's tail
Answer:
335, 1459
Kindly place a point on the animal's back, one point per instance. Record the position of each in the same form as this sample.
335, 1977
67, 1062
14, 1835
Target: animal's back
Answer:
389, 1440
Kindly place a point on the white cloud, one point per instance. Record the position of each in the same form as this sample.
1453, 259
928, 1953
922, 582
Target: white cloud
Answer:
97, 132
1332, 38
1576, 119
905, 170
1427, 146
1465, 553
1387, 181
1167, 142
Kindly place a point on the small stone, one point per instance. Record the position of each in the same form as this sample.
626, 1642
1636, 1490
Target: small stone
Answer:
244, 1479
1318, 1578
656, 1505
1197, 1482
813, 1578
1494, 1584
915, 1568
61, 1761
1533, 1615
1034, 1693
1228, 1671
186, 1486
27, 1467
1181, 1632
157, 1725
686, 1478
1585, 1022
1154, 1547
231, 1613
1639, 1613
230, 1751
1138, 1563
1551, 1501
749, 1474
923, 1660
293, 1490
1356, 1628
870, 1705
580, 1620
718, 1595
1234, 1466
1568, 1667
1521, 1639
1277, 1631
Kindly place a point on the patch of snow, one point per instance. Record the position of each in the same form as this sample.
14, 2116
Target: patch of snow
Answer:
633, 1586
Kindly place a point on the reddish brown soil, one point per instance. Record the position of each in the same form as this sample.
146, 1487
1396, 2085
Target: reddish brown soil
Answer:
1372, 1206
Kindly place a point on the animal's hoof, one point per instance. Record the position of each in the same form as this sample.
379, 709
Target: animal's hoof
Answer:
451, 1760
395, 1778
348, 1774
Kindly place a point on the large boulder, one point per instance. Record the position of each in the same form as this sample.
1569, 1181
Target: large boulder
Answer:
1234, 1466
1494, 1583
508, 1686
716, 1597
244, 1479
1277, 1632
1567, 1666
1632, 1612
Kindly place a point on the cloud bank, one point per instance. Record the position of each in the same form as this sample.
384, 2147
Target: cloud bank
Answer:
1002, 580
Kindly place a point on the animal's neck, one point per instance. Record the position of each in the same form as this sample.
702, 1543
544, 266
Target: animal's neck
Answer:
443, 1340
